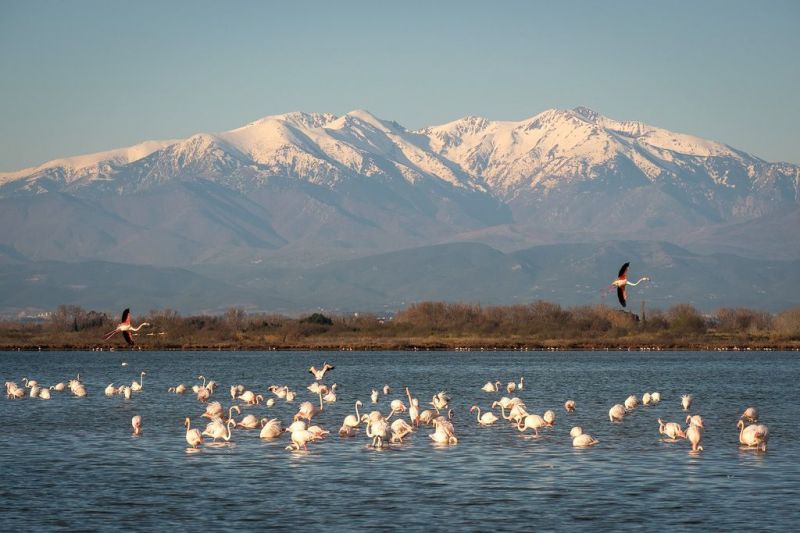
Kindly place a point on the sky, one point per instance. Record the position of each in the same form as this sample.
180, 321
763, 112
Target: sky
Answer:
84, 76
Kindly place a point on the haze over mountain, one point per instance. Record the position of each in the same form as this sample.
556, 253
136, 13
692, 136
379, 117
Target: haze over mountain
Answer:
299, 190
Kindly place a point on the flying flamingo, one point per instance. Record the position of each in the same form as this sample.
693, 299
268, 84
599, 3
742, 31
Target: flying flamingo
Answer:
622, 281
126, 328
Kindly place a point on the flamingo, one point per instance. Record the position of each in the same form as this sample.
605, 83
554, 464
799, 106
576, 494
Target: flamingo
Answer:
488, 417
386, 390
440, 400
374, 396
330, 397
444, 432
351, 422
616, 413
511, 387
378, 431
655, 397
180, 389
549, 417
216, 429
250, 398
647, 398
532, 421
125, 327
319, 374
695, 420
44, 394
631, 402
622, 282
397, 406
694, 434
521, 385
111, 390
272, 429
300, 438
308, 410
136, 386
575, 431
569, 406
400, 429
413, 408
754, 435
686, 401
248, 422
491, 387
193, 436
671, 429
751, 413
136, 422
584, 440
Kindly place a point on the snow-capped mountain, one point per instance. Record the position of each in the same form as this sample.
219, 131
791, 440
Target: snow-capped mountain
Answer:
580, 151
316, 185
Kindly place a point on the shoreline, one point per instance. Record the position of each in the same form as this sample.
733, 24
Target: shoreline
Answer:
415, 347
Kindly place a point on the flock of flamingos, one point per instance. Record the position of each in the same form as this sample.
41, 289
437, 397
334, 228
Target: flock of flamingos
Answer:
385, 430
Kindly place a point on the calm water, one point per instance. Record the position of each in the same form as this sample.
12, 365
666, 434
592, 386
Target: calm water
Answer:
72, 462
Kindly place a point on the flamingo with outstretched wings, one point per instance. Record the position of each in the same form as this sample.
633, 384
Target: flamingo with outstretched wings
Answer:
126, 328
622, 282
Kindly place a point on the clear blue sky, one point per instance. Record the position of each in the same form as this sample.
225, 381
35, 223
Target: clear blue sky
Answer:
84, 76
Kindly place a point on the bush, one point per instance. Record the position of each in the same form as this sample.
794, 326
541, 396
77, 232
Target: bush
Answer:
685, 319
319, 319
787, 324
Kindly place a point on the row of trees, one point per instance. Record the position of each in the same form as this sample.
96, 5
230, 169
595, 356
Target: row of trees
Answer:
535, 322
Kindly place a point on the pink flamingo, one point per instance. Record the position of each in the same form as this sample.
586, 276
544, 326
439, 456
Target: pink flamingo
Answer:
622, 282
125, 327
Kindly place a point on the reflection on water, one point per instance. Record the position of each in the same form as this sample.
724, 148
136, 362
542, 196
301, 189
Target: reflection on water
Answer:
73, 462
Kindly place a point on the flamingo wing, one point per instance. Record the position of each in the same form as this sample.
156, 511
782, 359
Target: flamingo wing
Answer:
622, 295
128, 338
623, 271
126, 317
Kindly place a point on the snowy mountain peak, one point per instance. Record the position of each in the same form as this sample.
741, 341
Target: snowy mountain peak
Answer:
589, 114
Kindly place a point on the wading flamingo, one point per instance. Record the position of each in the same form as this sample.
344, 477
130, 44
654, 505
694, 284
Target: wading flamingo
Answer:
491, 387
487, 419
125, 327
754, 435
193, 436
271, 429
136, 386
616, 413
751, 413
672, 430
622, 282
694, 434
584, 440
569, 406
686, 401
319, 374
136, 422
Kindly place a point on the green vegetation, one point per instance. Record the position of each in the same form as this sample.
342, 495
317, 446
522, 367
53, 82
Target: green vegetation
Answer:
434, 325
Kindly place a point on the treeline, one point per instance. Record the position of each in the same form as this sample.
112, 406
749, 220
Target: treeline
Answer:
426, 324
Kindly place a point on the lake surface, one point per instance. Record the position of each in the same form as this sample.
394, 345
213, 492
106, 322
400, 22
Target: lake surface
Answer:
72, 463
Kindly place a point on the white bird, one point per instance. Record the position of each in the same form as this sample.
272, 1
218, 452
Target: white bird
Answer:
617, 413
136, 386
386, 390
754, 435
319, 374
686, 401
549, 417
569, 406
751, 413
487, 419
532, 421
646, 398
575, 431
672, 430
378, 431
584, 440
694, 434
193, 436
271, 429
400, 429
631, 402
696, 420
491, 387
136, 422
351, 422
374, 396
655, 397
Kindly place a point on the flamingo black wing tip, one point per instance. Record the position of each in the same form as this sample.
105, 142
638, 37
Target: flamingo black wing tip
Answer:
621, 296
624, 269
